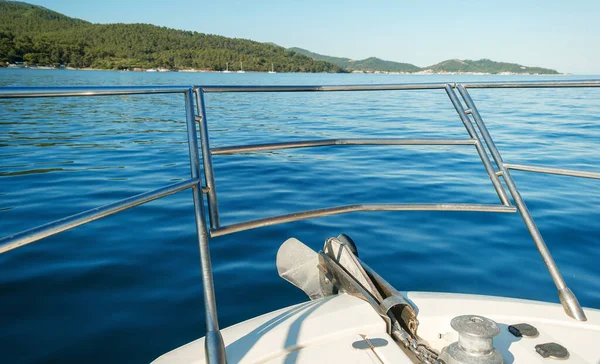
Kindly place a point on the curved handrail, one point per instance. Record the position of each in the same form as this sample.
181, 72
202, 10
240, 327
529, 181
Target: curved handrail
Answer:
338, 210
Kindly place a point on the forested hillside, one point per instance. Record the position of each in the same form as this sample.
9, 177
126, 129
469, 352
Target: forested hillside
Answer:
374, 64
38, 36
486, 66
370, 64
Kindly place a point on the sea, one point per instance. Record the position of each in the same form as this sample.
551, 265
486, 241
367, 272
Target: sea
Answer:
127, 288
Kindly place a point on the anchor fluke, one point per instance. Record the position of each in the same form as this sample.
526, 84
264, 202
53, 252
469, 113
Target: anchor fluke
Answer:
298, 264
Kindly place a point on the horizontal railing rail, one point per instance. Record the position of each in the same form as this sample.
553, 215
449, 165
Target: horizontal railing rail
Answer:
333, 142
532, 84
31, 92
402, 86
329, 211
29, 236
324, 88
550, 170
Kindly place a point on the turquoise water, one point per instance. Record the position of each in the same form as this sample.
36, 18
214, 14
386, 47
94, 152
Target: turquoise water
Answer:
127, 288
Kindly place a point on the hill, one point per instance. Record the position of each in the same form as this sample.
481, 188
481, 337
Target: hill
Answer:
486, 66
371, 64
374, 64
38, 36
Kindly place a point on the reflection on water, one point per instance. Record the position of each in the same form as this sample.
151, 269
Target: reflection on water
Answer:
128, 286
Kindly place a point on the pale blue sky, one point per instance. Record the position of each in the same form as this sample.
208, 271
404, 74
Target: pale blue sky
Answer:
564, 35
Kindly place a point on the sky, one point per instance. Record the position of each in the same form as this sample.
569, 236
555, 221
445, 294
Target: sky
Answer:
559, 34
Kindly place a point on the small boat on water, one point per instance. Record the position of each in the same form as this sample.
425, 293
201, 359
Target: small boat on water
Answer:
227, 69
272, 69
241, 68
353, 315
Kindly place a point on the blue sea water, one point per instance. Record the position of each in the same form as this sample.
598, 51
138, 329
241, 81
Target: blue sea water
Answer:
127, 288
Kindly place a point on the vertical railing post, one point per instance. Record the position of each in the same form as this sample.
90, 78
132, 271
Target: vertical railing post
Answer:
487, 163
566, 296
213, 209
214, 347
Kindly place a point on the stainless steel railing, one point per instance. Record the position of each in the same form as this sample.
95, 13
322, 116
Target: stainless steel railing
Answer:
215, 349
194, 97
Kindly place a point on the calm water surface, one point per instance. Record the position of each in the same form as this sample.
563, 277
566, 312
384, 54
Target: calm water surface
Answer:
127, 288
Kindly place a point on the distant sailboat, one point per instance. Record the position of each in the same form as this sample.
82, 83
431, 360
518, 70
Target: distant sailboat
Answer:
241, 68
227, 70
272, 69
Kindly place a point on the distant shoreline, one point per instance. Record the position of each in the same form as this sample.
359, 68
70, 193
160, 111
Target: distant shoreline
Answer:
58, 40
161, 70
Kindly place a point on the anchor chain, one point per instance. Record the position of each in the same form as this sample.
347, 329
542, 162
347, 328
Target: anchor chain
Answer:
423, 353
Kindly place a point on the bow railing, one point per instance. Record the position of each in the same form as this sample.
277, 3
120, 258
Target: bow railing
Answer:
477, 136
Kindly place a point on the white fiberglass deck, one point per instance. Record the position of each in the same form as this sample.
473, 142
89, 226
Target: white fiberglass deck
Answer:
324, 331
